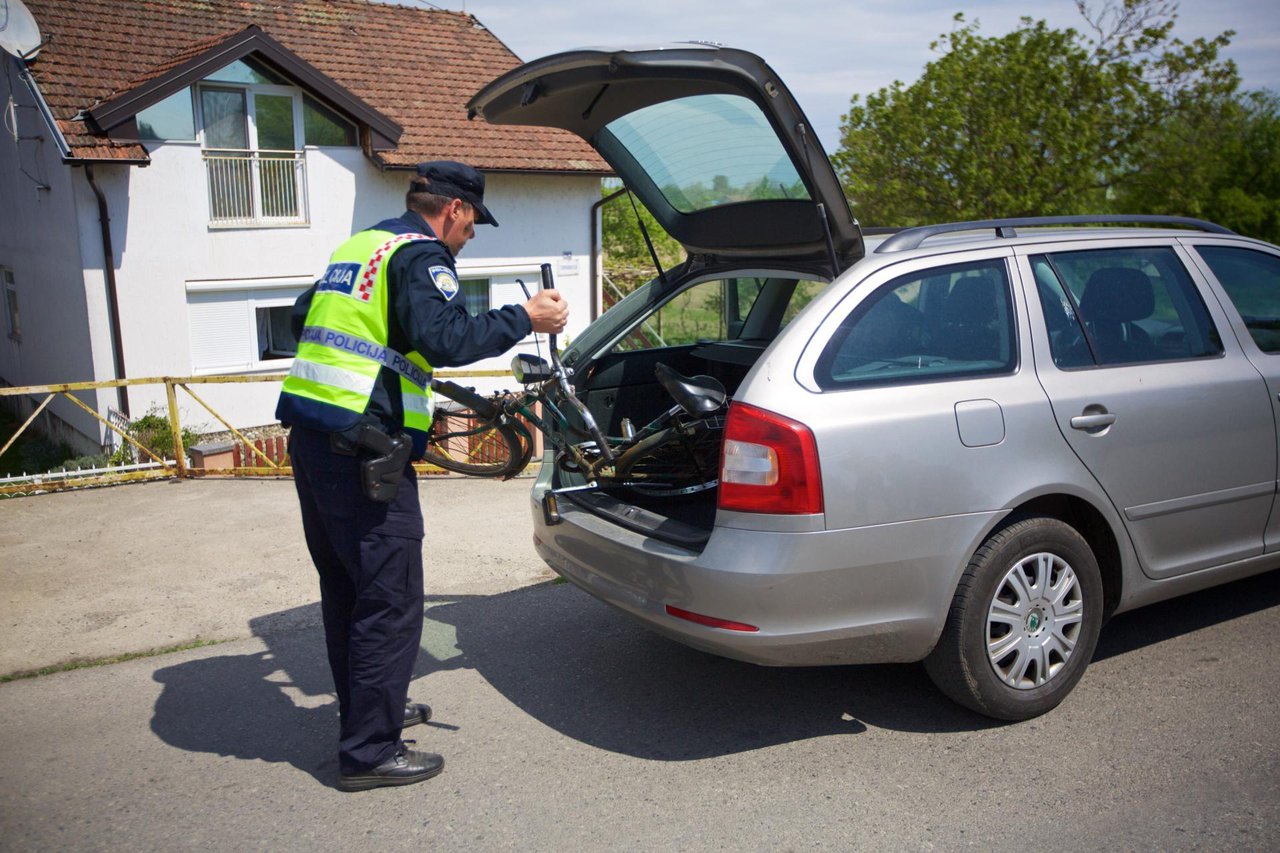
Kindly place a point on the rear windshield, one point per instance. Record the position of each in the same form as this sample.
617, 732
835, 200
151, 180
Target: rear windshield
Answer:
707, 150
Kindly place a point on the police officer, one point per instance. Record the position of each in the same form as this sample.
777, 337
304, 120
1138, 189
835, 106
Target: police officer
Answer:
358, 399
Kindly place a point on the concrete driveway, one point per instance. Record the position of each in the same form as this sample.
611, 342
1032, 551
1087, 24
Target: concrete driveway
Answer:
565, 726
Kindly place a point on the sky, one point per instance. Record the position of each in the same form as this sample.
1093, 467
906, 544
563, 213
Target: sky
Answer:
828, 50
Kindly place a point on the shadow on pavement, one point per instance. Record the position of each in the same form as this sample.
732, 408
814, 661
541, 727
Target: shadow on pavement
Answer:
255, 706
591, 674
594, 675
1168, 619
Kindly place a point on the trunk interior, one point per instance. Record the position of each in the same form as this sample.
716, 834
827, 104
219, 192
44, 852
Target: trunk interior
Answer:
714, 325
622, 386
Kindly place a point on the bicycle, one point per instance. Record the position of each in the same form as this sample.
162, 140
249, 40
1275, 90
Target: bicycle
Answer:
676, 453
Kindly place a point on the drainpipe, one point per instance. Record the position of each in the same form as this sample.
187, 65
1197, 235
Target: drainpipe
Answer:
113, 301
595, 250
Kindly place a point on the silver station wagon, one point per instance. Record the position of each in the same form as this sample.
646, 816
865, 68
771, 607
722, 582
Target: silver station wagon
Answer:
966, 444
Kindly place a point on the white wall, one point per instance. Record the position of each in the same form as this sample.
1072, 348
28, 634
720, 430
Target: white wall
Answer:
168, 249
40, 242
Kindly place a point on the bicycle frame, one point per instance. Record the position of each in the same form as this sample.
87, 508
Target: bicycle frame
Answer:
599, 459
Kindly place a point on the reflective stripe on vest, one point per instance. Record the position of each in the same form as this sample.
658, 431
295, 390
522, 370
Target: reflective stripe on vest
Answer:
383, 355
344, 344
327, 374
421, 405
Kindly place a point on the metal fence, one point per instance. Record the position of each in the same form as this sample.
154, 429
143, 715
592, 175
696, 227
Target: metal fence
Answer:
256, 187
243, 455
155, 463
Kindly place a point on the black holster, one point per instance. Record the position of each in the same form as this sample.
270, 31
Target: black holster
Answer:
380, 475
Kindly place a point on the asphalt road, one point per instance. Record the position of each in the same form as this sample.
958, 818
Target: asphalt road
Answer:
565, 726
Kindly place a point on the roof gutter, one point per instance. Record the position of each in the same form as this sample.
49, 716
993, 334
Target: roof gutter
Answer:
58, 139
113, 300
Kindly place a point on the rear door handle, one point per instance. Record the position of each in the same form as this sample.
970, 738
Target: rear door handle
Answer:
1088, 422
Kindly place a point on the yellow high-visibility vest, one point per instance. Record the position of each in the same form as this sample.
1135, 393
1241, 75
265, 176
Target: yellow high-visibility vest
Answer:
344, 343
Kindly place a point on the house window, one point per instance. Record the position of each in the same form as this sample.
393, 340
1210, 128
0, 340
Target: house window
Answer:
475, 295
322, 126
275, 332
251, 125
242, 325
173, 119
12, 319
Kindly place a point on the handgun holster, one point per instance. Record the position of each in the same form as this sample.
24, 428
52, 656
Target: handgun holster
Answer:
381, 474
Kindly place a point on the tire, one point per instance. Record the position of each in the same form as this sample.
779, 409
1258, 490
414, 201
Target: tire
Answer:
476, 441
1023, 624
478, 448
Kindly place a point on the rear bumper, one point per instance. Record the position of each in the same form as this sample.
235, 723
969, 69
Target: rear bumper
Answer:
822, 597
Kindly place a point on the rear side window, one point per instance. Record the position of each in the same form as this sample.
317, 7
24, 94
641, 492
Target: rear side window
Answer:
941, 323
1252, 281
1122, 306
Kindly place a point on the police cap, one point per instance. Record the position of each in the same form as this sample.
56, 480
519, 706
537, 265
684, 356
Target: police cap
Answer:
456, 180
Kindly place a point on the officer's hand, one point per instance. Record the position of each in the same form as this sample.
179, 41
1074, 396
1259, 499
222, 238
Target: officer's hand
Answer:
548, 311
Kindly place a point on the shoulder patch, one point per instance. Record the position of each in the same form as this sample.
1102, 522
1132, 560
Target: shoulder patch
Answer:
444, 281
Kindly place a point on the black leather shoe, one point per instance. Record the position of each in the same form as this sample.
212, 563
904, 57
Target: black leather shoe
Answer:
416, 713
406, 767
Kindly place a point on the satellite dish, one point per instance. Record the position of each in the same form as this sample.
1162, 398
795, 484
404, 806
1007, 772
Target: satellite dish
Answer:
19, 34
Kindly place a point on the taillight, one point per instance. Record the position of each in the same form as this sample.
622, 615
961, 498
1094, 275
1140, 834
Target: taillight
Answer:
770, 464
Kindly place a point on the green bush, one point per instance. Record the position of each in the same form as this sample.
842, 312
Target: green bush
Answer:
153, 432
76, 463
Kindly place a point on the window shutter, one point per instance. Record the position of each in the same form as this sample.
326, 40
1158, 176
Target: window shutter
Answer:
220, 330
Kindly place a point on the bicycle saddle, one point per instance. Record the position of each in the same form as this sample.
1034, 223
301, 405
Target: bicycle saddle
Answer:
697, 395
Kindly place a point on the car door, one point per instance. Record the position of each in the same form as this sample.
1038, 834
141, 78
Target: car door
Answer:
1169, 416
1249, 276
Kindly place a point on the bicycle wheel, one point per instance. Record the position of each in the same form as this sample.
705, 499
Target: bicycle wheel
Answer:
671, 463
472, 437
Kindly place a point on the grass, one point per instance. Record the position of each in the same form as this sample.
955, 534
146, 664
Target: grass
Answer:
85, 664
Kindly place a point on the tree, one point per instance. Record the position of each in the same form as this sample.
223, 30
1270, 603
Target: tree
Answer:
627, 261
1036, 122
1222, 164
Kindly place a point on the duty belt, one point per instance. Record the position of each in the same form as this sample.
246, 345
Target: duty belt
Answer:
384, 355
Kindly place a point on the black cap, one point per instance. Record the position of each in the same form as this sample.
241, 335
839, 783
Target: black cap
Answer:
456, 180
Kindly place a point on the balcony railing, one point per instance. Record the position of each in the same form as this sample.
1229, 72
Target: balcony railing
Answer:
256, 188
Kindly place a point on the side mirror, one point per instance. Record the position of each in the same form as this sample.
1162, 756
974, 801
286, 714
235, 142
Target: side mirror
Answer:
530, 369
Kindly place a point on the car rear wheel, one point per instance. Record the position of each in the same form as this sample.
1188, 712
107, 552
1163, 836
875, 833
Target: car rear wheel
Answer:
1024, 622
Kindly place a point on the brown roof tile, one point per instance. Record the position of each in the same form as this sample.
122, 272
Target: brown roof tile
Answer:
416, 66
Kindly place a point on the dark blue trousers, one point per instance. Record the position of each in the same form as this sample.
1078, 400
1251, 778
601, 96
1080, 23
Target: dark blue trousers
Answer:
369, 558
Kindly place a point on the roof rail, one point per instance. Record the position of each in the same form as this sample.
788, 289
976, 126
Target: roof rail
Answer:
911, 238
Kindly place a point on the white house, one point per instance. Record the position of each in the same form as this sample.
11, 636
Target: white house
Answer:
174, 175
